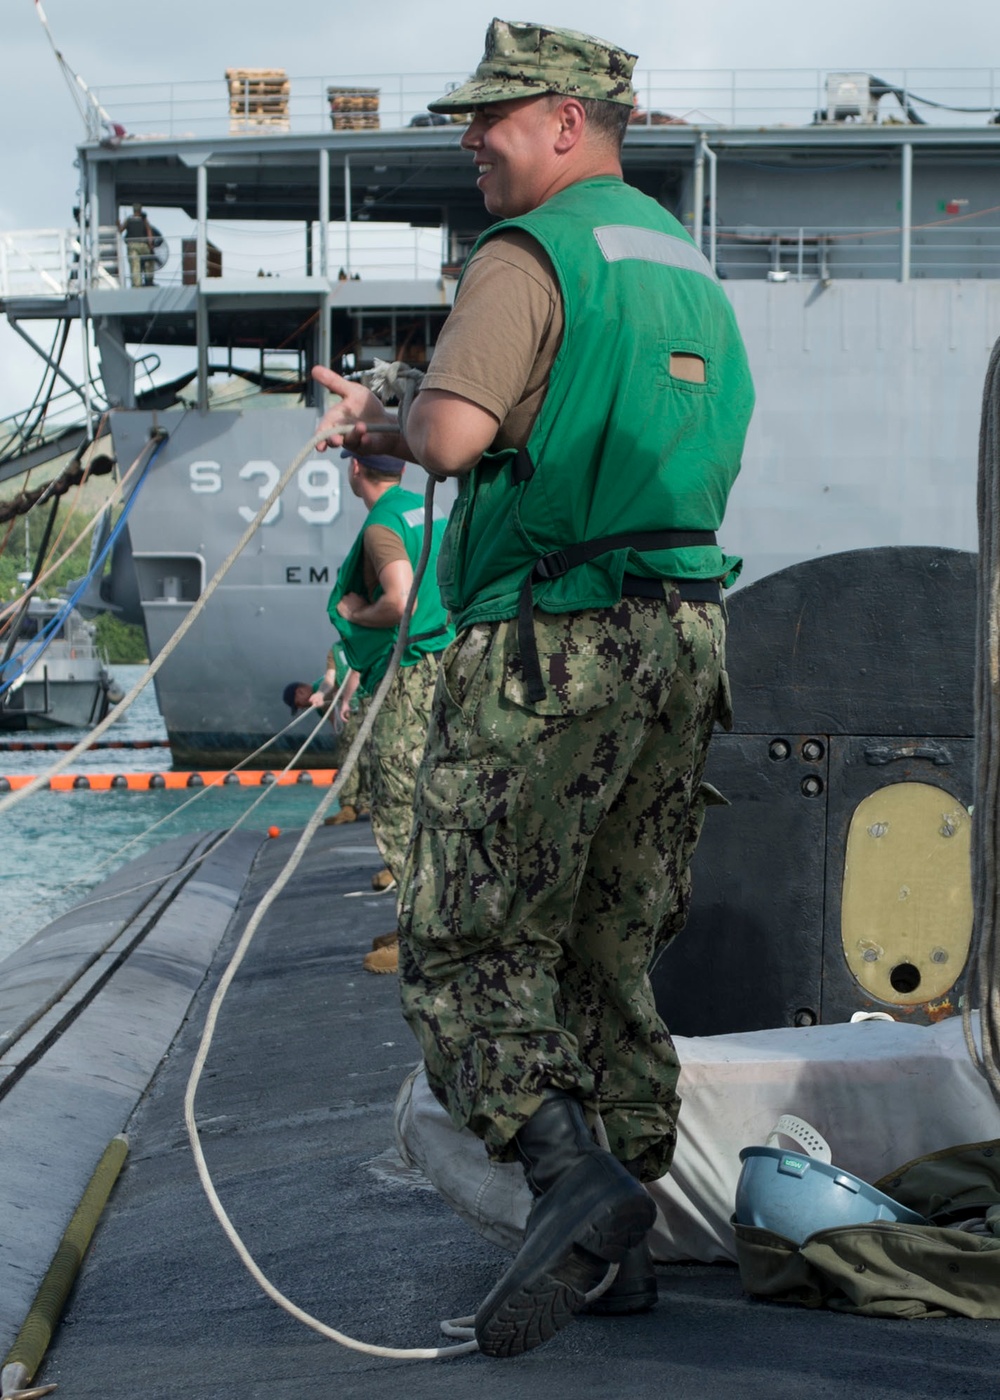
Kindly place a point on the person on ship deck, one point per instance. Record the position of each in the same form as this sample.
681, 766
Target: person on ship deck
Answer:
591, 392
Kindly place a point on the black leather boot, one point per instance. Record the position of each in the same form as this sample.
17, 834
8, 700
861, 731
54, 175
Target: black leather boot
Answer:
635, 1288
588, 1213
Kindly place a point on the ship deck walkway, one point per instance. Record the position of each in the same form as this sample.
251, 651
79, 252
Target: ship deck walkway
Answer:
296, 1112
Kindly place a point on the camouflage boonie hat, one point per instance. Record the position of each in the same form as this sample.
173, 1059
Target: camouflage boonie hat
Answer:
526, 60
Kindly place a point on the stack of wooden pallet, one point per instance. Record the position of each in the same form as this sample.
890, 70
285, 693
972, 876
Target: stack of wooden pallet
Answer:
258, 98
353, 109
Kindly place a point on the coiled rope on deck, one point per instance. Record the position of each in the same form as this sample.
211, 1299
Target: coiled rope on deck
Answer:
984, 985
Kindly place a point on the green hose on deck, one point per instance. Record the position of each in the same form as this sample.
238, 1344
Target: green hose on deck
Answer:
25, 1356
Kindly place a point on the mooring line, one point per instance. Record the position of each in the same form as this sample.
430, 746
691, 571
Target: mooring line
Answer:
201, 792
181, 632
277, 885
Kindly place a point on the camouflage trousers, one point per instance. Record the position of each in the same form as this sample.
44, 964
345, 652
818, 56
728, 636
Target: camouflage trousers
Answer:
549, 858
397, 746
356, 792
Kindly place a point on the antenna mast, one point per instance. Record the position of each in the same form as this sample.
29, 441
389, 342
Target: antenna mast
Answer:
93, 114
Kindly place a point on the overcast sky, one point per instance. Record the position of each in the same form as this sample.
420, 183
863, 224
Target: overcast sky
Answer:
187, 40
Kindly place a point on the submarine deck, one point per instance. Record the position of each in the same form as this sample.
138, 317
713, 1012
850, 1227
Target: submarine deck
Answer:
295, 1108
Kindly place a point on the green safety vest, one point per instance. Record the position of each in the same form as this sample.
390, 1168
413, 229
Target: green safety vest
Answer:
620, 447
368, 648
341, 666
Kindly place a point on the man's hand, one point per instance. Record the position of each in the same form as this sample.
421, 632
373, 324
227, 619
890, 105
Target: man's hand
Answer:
350, 604
358, 406
396, 580
318, 700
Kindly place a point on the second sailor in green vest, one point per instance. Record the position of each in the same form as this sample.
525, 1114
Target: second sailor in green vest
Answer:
366, 607
340, 677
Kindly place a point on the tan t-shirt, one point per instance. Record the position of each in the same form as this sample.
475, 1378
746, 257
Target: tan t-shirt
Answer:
498, 345
381, 547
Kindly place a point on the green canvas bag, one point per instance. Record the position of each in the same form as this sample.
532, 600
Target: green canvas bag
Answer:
949, 1268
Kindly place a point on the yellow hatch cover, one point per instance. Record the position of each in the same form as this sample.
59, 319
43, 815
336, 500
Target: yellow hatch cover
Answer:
906, 915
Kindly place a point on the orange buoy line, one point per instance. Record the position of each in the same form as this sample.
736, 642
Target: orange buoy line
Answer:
146, 782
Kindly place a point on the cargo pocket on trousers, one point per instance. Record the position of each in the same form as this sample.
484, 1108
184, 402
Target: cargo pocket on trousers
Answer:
466, 854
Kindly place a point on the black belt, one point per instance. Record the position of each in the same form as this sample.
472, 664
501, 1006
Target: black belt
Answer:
560, 561
426, 636
692, 590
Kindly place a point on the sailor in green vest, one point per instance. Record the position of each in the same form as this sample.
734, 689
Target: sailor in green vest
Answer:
347, 719
591, 393
366, 607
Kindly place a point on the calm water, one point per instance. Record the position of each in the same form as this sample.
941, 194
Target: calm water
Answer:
55, 846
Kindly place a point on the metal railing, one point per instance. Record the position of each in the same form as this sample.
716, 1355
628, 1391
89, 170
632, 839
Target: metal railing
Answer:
37, 262
708, 97
46, 262
33, 427
811, 253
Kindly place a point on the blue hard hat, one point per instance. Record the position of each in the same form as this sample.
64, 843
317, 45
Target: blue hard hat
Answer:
795, 1195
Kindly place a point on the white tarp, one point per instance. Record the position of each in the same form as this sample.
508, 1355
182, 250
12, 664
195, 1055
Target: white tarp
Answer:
880, 1092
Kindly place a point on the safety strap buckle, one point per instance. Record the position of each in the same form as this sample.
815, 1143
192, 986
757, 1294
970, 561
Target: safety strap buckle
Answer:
552, 565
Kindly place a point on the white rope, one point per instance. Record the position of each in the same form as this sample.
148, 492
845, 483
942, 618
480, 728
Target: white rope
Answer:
154, 667
284, 875
982, 996
109, 501
461, 1328
395, 380
457, 1327
264, 794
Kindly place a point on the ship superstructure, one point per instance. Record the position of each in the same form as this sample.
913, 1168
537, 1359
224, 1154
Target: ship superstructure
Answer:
855, 226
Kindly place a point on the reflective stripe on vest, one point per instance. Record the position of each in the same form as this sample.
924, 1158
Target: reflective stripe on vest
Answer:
619, 242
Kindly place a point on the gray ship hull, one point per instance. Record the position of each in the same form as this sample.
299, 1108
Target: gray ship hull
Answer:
55, 702
867, 421
65, 686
